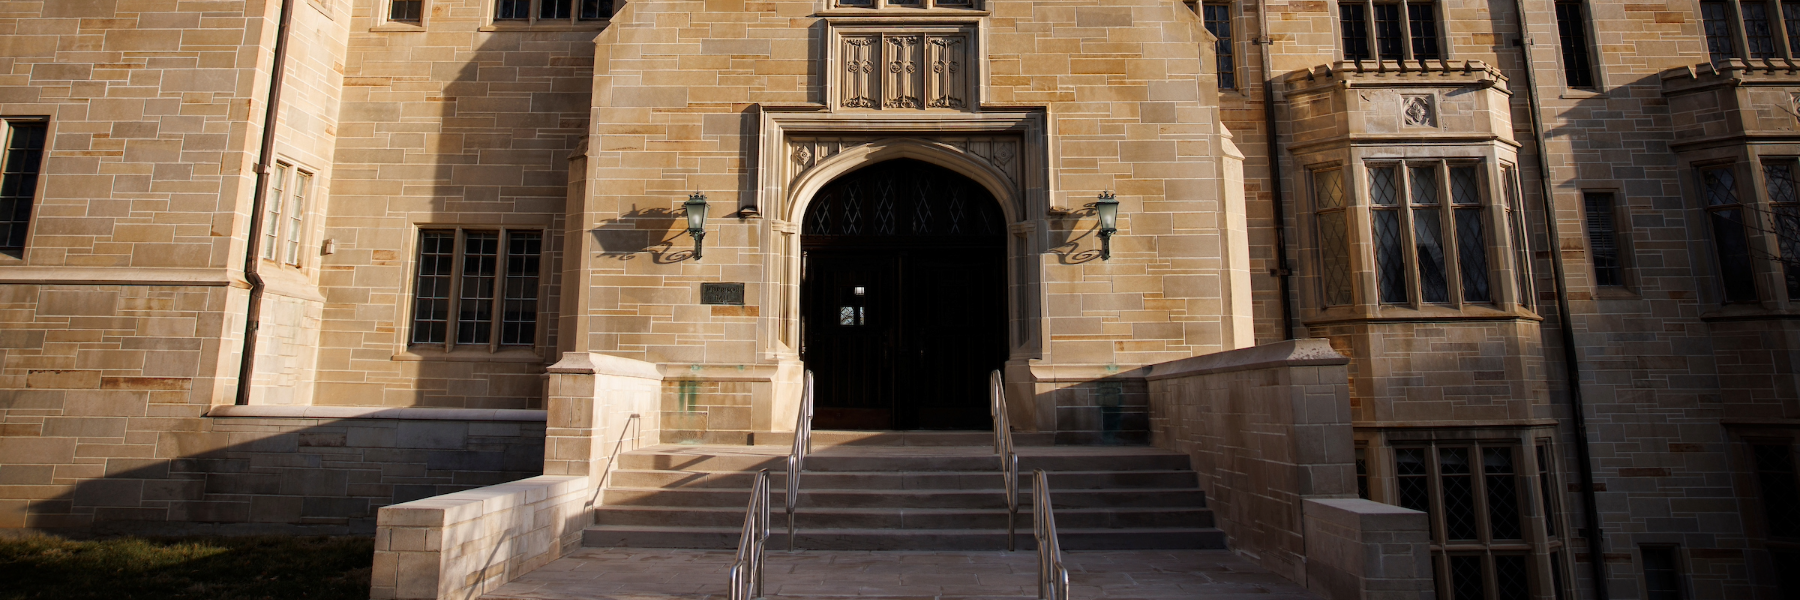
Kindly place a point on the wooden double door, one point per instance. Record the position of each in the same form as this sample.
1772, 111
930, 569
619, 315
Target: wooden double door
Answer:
903, 299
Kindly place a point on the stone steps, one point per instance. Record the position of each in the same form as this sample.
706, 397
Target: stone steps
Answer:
911, 518
903, 491
913, 480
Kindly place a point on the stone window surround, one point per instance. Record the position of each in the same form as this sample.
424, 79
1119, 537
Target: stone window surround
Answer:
1508, 303
782, 198
406, 351
1541, 547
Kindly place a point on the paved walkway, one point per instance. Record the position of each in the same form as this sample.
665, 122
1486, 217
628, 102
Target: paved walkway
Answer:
644, 574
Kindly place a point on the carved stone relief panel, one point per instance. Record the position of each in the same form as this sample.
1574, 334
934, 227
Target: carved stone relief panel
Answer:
859, 70
903, 73
1418, 111
900, 68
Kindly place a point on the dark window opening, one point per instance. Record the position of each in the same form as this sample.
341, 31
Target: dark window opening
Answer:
1662, 578
1388, 31
1784, 202
1362, 473
1603, 242
1715, 18
512, 10
1780, 494
1355, 27
406, 11
1218, 21
1422, 21
1571, 25
19, 170
1726, 214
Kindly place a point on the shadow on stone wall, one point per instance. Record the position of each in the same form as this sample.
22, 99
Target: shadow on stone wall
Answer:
289, 476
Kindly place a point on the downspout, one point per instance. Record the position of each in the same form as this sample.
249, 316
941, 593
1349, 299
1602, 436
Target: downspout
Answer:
1277, 197
252, 254
1571, 360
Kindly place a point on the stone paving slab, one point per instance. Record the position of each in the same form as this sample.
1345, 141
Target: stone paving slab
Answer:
653, 574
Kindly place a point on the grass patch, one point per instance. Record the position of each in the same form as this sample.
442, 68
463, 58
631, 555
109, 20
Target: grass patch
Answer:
246, 568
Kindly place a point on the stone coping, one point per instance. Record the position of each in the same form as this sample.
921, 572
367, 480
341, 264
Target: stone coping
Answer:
468, 505
594, 363
377, 412
1308, 352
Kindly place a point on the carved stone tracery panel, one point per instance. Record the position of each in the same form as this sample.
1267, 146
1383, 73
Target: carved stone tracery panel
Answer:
999, 151
905, 68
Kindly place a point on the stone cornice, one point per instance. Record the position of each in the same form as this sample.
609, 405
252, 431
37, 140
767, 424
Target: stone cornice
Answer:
1389, 73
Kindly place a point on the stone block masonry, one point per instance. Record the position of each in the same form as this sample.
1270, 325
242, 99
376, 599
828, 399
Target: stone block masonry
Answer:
241, 475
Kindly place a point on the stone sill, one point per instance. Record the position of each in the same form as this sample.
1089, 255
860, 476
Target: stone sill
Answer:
469, 354
269, 411
582, 26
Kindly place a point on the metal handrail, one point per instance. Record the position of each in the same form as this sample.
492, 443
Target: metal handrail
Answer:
1009, 460
797, 457
606, 473
1053, 577
746, 571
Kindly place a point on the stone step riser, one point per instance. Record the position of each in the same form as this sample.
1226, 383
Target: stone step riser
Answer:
745, 463
881, 540
906, 481
938, 499
900, 519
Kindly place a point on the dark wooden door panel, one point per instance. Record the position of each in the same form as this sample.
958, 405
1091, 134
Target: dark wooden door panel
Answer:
903, 299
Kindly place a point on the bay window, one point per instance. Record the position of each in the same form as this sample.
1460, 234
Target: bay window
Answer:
1428, 250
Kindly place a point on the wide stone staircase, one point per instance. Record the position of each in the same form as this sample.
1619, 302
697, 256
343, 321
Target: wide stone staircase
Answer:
904, 491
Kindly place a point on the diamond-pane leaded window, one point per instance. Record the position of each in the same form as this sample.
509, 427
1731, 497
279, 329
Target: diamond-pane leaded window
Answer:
1474, 496
1515, 220
1329, 199
1732, 247
1408, 210
1784, 204
463, 275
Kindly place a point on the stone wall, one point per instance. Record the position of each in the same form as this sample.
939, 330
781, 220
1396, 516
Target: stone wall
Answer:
466, 544
1362, 550
455, 122
1267, 428
252, 469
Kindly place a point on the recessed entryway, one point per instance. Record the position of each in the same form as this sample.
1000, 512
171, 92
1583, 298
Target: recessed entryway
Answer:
903, 299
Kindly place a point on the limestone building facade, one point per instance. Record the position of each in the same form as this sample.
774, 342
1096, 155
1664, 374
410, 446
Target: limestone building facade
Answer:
1556, 239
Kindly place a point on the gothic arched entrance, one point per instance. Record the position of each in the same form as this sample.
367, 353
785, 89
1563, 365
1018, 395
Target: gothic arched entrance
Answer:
903, 298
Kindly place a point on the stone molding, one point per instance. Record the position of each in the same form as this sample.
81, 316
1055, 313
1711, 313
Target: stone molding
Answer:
1308, 352
375, 412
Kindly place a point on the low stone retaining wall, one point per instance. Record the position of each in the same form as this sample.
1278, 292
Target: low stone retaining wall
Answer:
1361, 549
1268, 430
462, 545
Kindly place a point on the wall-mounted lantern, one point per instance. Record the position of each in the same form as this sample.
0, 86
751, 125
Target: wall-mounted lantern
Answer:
1107, 207
696, 215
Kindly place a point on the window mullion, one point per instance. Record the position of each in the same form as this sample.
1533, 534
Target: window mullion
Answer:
1737, 30
496, 316
1447, 240
453, 319
1409, 246
1406, 41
